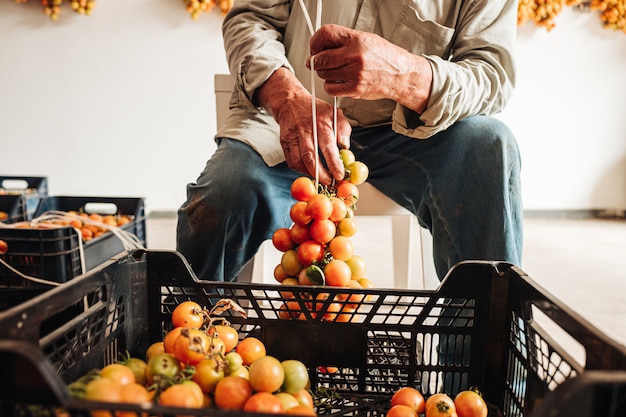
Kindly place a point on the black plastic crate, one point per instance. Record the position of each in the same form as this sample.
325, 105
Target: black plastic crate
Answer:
58, 254
30, 189
488, 325
11, 210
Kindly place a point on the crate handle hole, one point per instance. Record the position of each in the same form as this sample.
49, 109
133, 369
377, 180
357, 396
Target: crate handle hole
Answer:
100, 208
14, 184
570, 346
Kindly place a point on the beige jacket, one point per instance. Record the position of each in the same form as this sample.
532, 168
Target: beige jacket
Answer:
469, 44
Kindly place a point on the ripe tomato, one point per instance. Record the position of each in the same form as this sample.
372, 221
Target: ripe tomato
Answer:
319, 207
192, 346
281, 239
120, 374
401, 410
279, 274
303, 188
439, 396
228, 334
207, 374
358, 172
188, 314
309, 252
299, 233
337, 273
298, 213
290, 264
134, 393
266, 374
232, 392
170, 338
329, 312
340, 210
348, 192
179, 395
411, 397
470, 403
352, 300
296, 376
4, 247
154, 349
441, 409
250, 349
263, 402
322, 231
341, 247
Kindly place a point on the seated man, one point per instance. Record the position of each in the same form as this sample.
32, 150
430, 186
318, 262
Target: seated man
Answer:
415, 83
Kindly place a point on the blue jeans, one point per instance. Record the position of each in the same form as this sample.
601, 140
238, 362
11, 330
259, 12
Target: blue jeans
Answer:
463, 184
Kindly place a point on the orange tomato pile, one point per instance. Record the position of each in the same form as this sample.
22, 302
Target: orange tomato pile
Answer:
201, 363
90, 226
409, 402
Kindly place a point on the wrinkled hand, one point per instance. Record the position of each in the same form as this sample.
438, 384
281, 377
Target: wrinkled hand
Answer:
363, 65
290, 105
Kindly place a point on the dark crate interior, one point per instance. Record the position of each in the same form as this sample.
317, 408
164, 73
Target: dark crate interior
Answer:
488, 325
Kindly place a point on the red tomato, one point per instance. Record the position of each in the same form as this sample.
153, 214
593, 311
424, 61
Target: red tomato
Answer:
411, 397
322, 231
401, 410
192, 346
299, 233
470, 403
298, 213
348, 192
232, 392
309, 251
303, 188
281, 239
319, 207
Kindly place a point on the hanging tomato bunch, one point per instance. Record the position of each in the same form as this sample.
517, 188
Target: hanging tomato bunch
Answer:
544, 12
52, 8
196, 7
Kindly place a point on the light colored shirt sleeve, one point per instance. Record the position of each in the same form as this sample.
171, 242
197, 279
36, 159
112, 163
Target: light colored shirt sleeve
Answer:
468, 43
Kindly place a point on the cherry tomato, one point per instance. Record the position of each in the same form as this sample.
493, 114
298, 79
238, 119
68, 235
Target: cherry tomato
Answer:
347, 157
319, 207
298, 213
322, 231
358, 172
308, 252
303, 188
470, 403
188, 314
281, 239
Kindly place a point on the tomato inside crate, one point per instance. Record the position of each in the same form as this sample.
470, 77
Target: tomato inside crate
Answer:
484, 327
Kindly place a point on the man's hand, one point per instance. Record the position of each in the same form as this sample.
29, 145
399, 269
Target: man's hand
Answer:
290, 104
363, 65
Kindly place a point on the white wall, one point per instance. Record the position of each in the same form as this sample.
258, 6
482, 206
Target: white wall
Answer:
121, 103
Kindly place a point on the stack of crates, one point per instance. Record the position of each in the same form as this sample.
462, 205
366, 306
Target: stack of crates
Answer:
41, 256
488, 325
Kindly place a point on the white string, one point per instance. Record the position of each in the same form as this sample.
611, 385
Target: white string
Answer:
318, 23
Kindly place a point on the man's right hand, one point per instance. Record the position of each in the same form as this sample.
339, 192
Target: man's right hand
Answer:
284, 97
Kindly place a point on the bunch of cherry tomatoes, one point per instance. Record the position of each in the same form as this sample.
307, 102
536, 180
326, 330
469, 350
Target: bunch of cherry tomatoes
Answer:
201, 363
409, 402
317, 249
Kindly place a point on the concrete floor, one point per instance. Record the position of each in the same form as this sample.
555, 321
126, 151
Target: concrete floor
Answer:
582, 262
